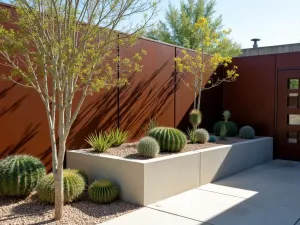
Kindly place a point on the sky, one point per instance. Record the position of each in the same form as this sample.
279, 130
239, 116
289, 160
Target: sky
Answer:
275, 22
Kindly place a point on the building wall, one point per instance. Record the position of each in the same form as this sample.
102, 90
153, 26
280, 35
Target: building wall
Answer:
252, 99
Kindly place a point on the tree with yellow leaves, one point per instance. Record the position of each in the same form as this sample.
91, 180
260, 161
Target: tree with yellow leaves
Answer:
67, 47
214, 50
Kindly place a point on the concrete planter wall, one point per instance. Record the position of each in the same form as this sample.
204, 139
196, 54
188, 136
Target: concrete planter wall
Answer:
146, 181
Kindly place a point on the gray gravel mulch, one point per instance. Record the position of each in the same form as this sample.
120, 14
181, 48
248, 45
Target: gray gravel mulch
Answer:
129, 150
32, 211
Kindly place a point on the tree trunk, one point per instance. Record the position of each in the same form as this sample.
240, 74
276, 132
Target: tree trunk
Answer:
199, 100
59, 192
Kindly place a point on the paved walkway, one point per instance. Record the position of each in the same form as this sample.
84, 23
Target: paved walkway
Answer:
265, 195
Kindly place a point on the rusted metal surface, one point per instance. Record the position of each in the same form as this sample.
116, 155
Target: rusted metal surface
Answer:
151, 92
251, 99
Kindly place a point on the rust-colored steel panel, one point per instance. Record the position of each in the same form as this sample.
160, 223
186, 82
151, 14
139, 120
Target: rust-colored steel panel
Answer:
185, 95
288, 116
251, 99
288, 60
151, 92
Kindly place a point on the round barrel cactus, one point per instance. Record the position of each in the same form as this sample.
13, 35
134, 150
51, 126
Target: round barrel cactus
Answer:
148, 147
212, 139
103, 191
232, 129
247, 132
202, 135
169, 139
74, 186
19, 175
81, 173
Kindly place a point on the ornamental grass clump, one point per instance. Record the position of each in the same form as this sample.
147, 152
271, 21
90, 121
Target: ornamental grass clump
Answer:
148, 147
117, 137
169, 139
103, 191
73, 184
100, 142
19, 175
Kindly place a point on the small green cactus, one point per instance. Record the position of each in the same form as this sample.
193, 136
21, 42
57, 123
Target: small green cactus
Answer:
169, 139
74, 186
232, 129
148, 147
103, 191
212, 139
247, 132
202, 135
19, 175
195, 118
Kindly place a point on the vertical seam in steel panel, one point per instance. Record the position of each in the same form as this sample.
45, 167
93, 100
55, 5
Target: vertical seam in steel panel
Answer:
118, 74
175, 85
275, 150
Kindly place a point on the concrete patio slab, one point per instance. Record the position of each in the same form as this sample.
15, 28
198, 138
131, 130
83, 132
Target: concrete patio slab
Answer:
220, 209
148, 216
264, 195
276, 183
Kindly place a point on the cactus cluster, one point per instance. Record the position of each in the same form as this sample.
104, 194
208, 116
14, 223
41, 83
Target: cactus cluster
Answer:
81, 173
19, 175
247, 132
148, 147
169, 139
73, 182
195, 118
232, 129
103, 191
202, 135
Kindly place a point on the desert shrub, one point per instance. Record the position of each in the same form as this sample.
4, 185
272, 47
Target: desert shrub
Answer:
103, 191
19, 175
192, 136
247, 132
73, 182
169, 139
232, 129
195, 117
100, 142
202, 135
212, 139
148, 147
118, 137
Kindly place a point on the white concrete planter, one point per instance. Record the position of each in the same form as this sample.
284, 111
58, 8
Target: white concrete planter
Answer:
146, 181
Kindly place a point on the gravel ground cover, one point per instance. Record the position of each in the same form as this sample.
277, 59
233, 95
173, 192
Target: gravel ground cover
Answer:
32, 211
129, 150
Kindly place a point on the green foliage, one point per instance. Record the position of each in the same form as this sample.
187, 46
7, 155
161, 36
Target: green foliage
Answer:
195, 118
73, 184
223, 131
226, 115
169, 139
117, 137
148, 147
150, 125
178, 27
103, 191
100, 142
19, 175
247, 132
212, 139
202, 135
81, 173
192, 136
232, 129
